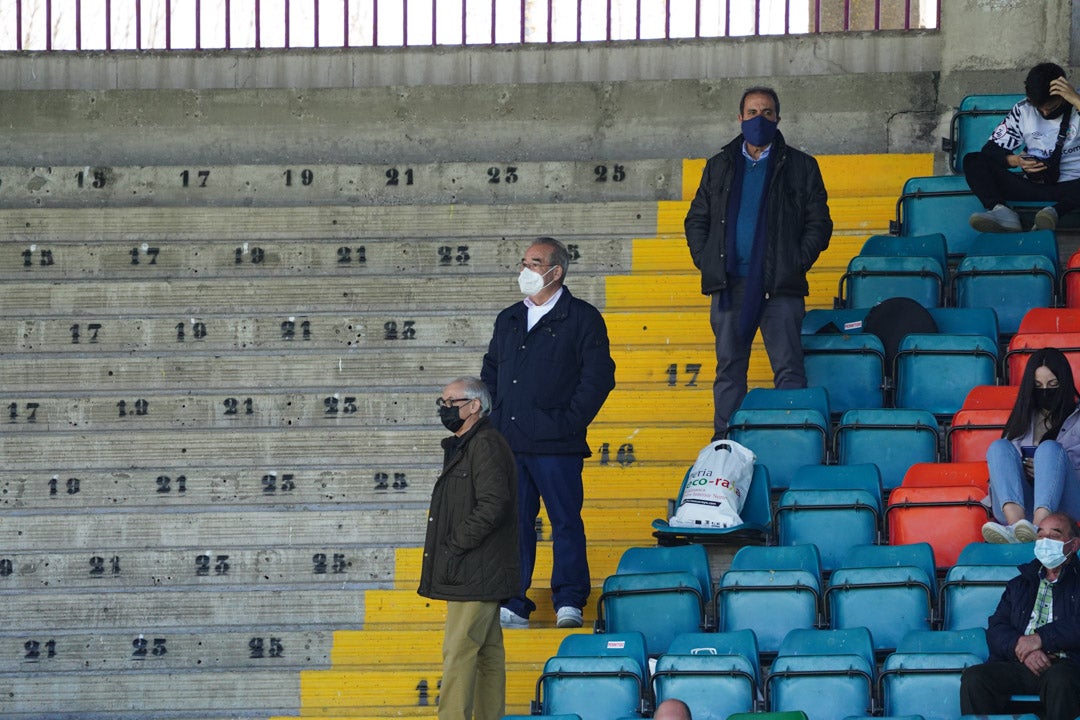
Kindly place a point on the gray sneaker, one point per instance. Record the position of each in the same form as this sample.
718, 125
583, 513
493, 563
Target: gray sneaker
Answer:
510, 620
1024, 531
1000, 219
568, 617
1046, 219
998, 534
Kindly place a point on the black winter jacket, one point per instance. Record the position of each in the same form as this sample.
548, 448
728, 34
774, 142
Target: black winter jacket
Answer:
1010, 619
548, 384
471, 548
799, 226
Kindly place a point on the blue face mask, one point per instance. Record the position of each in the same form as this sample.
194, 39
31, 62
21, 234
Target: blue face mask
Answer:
1051, 553
759, 131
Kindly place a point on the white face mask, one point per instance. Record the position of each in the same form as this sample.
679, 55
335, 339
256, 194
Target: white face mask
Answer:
532, 282
1051, 553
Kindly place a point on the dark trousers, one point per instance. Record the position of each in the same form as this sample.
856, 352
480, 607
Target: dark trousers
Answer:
781, 326
985, 689
556, 479
994, 184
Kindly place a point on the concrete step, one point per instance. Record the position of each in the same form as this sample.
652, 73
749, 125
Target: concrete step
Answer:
382, 482
273, 185
218, 256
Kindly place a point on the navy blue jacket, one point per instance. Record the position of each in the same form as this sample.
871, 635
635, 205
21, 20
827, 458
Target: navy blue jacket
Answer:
1010, 619
548, 384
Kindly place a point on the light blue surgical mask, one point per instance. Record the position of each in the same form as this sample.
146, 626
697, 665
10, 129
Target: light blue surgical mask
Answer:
1051, 553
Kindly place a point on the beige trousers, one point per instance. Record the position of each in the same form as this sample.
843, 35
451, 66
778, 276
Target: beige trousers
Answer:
474, 663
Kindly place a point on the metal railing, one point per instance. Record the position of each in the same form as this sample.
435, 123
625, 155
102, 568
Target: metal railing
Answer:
114, 25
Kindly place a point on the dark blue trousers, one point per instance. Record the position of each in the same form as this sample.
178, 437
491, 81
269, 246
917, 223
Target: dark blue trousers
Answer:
556, 479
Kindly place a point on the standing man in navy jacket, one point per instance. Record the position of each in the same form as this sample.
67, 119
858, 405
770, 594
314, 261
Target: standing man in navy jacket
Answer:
1034, 635
549, 370
759, 220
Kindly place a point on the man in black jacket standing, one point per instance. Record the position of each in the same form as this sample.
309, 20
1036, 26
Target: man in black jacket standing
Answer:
549, 369
1034, 634
759, 220
470, 552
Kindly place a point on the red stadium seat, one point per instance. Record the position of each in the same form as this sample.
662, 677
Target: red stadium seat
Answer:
973, 474
947, 517
1023, 345
1070, 281
1051, 320
972, 431
985, 397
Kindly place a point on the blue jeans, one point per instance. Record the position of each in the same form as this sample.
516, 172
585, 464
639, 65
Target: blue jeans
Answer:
1056, 485
556, 479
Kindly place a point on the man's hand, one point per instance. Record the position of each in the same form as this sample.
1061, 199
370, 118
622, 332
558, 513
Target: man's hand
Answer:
1026, 645
1064, 89
1027, 163
1037, 662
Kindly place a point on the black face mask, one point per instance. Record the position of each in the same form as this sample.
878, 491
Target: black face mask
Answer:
1046, 398
1057, 113
451, 418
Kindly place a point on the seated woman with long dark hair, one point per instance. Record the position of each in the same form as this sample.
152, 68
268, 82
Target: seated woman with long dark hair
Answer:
1033, 468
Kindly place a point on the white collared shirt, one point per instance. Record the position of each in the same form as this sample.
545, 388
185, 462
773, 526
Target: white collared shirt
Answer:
538, 311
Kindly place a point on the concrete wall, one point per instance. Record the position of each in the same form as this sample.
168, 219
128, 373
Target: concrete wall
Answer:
855, 93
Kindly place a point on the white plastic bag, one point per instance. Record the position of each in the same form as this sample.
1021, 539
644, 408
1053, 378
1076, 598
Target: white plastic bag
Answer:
715, 489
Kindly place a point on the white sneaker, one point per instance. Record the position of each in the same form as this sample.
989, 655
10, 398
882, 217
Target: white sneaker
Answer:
1000, 219
510, 620
568, 617
998, 534
1024, 531
1046, 219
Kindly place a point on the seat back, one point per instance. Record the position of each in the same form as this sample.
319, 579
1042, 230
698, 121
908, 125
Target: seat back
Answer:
623, 645
831, 507
973, 123
970, 640
869, 279
734, 642
970, 594
926, 684
888, 589
1022, 345
1034, 242
938, 204
812, 398
948, 518
830, 322
825, 673
1011, 284
658, 605
985, 397
782, 440
892, 439
966, 321
770, 590
851, 368
981, 553
687, 558
1051, 320
943, 474
592, 687
971, 432
935, 372
932, 246
712, 686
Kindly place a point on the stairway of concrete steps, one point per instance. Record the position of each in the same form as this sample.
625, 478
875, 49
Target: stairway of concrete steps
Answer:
221, 438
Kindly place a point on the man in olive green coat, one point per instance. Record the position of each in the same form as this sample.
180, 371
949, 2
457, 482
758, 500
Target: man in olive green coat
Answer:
471, 553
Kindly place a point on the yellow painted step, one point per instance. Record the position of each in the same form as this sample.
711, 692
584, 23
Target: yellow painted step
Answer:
334, 691
679, 292
616, 481
870, 215
652, 443
603, 560
845, 175
647, 367
407, 648
670, 255
672, 404
394, 609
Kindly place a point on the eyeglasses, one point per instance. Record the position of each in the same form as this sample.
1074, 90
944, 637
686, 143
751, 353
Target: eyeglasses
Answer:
449, 402
533, 264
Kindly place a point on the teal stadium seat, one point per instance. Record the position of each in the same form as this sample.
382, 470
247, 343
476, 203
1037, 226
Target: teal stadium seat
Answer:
851, 368
973, 123
935, 372
770, 590
715, 674
924, 683
785, 429
657, 591
889, 266
967, 640
893, 439
938, 204
825, 673
889, 589
597, 677
832, 507
973, 586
